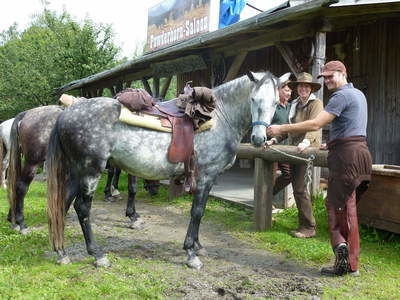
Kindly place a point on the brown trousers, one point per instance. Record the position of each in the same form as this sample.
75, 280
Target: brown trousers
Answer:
295, 174
343, 224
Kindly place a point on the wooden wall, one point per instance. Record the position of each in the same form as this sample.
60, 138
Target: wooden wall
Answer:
372, 56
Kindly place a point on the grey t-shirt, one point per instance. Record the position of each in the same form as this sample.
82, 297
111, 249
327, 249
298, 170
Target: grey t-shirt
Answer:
349, 105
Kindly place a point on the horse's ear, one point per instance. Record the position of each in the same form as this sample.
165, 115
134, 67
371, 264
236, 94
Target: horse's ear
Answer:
283, 78
251, 76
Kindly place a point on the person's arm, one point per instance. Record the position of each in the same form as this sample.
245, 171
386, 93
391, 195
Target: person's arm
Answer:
322, 119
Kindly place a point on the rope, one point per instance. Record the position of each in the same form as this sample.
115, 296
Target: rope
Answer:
309, 163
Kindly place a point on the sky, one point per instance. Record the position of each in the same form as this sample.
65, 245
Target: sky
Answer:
128, 18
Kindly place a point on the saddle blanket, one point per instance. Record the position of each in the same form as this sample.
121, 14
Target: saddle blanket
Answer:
152, 122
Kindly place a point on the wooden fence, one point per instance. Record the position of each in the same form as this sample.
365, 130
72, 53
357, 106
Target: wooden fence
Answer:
264, 174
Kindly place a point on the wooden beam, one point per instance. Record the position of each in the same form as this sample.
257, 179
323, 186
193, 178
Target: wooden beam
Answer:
289, 57
290, 32
185, 64
247, 151
147, 86
156, 87
235, 67
263, 186
165, 87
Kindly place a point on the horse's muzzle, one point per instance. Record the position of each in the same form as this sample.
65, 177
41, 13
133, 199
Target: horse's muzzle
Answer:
257, 141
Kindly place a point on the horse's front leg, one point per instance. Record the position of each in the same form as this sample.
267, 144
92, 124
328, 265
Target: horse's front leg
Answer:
192, 244
82, 205
135, 219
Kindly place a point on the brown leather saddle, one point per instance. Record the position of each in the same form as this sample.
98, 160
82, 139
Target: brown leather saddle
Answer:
178, 114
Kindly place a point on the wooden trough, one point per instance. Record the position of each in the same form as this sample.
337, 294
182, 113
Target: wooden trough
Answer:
380, 206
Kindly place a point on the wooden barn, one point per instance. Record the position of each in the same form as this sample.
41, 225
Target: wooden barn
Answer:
364, 34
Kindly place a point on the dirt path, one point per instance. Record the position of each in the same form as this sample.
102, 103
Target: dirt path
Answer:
233, 269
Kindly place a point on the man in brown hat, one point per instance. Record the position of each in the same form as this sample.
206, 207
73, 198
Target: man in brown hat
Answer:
349, 163
305, 107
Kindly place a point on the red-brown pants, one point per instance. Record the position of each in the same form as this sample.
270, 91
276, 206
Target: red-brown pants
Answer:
343, 228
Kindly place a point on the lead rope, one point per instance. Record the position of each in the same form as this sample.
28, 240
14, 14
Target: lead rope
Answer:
309, 163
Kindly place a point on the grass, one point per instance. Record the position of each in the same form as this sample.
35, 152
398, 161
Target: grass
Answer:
27, 271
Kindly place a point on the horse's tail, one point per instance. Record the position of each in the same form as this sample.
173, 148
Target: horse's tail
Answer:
14, 166
57, 174
1, 161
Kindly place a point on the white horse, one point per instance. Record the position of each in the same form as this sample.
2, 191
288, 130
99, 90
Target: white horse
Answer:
5, 142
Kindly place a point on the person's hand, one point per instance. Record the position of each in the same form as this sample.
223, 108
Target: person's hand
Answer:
302, 146
274, 130
323, 147
269, 143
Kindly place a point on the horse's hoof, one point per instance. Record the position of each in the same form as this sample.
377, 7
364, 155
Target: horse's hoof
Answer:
138, 224
115, 192
15, 227
109, 199
24, 231
64, 260
195, 263
102, 262
202, 252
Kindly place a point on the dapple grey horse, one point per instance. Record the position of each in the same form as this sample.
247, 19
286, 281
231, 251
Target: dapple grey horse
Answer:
30, 134
87, 135
5, 130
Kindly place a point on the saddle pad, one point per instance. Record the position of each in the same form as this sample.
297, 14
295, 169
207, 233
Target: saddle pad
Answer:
152, 122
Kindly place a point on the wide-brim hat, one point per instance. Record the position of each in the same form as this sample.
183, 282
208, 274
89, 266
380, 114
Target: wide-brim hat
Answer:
307, 79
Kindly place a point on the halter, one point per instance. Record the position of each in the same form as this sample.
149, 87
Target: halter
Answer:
260, 123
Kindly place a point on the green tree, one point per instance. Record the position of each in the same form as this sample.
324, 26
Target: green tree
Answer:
53, 51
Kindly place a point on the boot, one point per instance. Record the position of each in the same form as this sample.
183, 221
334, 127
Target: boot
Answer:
342, 265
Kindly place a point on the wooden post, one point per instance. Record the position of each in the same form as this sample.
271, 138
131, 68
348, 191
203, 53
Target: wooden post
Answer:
289, 58
235, 67
147, 86
156, 87
264, 182
165, 87
318, 62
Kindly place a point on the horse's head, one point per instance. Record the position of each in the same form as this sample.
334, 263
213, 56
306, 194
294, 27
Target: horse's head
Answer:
264, 98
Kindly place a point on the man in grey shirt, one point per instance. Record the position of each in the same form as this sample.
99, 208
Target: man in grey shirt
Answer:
349, 163
345, 103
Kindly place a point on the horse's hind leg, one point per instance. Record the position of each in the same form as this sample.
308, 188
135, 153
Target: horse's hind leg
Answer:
152, 186
22, 186
4, 171
107, 188
114, 187
82, 205
136, 220
192, 244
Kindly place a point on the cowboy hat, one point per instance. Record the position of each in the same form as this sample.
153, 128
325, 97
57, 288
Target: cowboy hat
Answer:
307, 79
